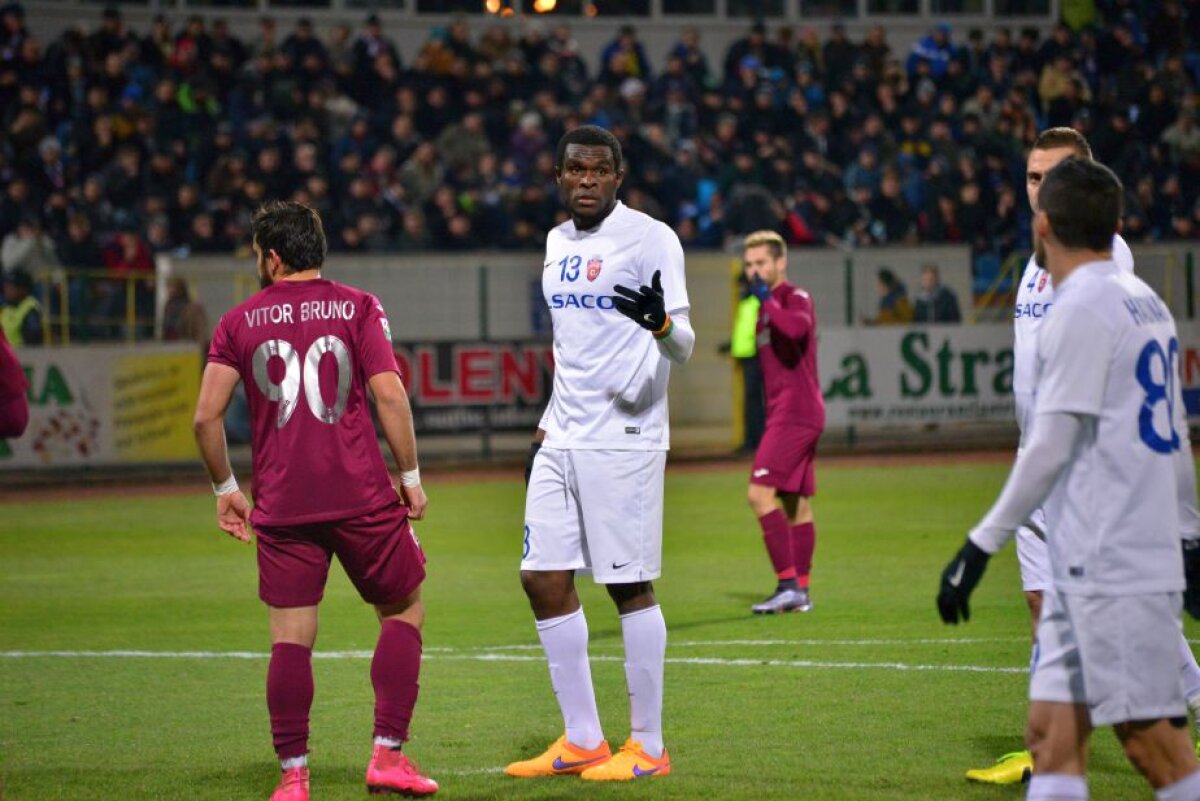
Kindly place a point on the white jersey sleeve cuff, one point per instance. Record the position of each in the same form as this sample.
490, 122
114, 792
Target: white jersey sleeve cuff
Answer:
678, 345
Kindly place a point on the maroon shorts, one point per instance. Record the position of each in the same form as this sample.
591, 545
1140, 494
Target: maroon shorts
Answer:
378, 551
784, 460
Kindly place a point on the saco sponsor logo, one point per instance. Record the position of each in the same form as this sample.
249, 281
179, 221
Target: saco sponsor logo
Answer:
583, 300
1034, 310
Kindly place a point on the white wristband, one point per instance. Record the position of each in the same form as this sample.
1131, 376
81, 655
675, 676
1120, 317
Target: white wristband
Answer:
226, 487
411, 478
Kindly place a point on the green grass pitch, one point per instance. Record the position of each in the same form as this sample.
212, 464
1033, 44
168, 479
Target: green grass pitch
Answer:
852, 701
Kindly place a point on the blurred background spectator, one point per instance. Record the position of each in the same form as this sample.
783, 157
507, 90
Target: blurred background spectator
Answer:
936, 302
117, 144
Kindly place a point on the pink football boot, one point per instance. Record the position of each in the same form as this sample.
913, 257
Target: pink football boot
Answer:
293, 786
391, 771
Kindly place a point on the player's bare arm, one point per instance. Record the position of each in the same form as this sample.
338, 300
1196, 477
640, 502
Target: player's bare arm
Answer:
216, 391
395, 418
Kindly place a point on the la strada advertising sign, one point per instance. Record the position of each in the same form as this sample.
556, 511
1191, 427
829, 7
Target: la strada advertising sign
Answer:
916, 375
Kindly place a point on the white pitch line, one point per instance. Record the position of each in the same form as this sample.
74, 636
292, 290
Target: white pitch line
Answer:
499, 657
759, 643
466, 772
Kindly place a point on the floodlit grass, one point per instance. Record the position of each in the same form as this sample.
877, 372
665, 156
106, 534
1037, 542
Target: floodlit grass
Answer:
851, 701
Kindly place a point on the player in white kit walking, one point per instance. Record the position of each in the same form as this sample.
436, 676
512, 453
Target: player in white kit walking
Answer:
1108, 452
1035, 296
614, 281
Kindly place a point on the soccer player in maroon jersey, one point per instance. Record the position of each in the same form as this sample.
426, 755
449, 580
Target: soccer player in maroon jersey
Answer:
782, 480
309, 352
14, 405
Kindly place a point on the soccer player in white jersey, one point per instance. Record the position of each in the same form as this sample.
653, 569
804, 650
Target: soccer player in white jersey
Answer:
1035, 296
614, 281
1108, 452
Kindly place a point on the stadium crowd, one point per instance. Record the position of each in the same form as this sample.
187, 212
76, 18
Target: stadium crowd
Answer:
117, 144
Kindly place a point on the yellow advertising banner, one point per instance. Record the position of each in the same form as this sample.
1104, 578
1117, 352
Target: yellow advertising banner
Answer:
107, 404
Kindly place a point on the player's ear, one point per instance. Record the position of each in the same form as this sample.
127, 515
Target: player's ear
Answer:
1041, 224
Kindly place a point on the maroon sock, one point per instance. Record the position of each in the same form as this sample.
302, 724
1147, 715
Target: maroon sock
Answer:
289, 697
779, 543
804, 540
394, 672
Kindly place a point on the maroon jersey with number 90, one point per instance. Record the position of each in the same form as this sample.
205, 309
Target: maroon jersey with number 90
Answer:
305, 351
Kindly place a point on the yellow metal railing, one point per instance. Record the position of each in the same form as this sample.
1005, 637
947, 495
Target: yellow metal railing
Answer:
63, 292
1009, 269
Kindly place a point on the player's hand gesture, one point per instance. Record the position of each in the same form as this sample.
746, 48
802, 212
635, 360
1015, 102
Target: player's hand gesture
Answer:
415, 500
1191, 573
645, 305
959, 580
233, 515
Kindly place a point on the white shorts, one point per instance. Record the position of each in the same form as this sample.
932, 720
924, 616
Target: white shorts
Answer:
1033, 555
597, 510
1119, 655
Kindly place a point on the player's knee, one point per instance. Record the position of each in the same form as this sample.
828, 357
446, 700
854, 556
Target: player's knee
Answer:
761, 499
1033, 599
1138, 750
550, 593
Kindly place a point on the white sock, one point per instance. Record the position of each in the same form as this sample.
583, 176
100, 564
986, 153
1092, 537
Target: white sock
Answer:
294, 762
1191, 674
645, 634
1186, 789
389, 742
565, 641
1057, 787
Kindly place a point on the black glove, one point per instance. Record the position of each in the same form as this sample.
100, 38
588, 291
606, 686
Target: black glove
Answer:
959, 580
1191, 573
534, 447
760, 290
645, 306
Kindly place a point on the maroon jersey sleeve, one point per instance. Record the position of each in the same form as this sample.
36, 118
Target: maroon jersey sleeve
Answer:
12, 377
376, 354
221, 350
794, 320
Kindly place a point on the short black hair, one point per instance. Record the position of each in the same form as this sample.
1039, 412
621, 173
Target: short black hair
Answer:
588, 135
1083, 200
293, 231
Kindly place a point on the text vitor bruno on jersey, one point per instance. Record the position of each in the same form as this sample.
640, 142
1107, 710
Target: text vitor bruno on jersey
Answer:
309, 310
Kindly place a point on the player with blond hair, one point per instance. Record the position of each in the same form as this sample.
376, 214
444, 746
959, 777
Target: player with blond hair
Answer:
782, 480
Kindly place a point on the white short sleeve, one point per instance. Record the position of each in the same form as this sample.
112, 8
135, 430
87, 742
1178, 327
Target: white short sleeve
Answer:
661, 250
1074, 349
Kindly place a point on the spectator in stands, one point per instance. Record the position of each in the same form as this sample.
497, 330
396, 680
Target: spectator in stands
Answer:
840, 54
21, 315
894, 306
28, 247
693, 58
626, 56
79, 250
1183, 136
931, 54
187, 120
184, 318
936, 302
